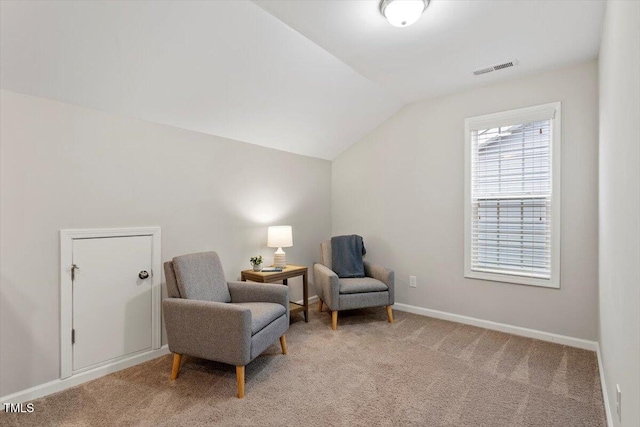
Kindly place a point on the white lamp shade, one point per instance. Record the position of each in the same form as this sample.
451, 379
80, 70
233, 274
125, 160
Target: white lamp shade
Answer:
279, 236
402, 13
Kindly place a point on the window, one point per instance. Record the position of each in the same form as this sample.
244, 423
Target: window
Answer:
512, 196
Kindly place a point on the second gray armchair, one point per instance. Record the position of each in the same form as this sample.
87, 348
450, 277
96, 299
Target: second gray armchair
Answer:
210, 318
374, 290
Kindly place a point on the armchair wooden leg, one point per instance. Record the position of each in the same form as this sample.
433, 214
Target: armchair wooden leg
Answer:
390, 314
240, 381
334, 320
319, 305
177, 358
283, 344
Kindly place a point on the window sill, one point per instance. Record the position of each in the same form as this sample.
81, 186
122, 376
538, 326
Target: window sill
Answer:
517, 280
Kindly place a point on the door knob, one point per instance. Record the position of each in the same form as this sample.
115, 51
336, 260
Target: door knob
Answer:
143, 274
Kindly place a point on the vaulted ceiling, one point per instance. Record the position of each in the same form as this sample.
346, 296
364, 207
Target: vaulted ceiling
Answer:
308, 76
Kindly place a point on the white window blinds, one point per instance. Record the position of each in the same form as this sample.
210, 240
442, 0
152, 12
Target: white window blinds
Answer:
510, 205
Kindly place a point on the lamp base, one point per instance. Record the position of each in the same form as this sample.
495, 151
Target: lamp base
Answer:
280, 258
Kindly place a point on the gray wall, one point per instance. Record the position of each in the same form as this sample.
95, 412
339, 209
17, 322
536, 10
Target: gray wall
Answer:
402, 188
64, 166
620, 207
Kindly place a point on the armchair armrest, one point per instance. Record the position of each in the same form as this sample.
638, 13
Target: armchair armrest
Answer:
259, 292
385, 275
210, 330
327, 285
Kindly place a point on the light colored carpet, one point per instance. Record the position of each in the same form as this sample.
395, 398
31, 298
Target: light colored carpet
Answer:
418, 371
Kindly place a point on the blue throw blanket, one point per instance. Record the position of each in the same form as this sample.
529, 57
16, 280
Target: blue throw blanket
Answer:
346, 256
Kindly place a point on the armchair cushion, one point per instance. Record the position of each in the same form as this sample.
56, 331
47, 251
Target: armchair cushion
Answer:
200, 276
262, 313
361, 284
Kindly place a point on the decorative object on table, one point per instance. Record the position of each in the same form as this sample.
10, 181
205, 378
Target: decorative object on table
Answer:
375, 289
279, 236
210, 318
271, 269
256, 262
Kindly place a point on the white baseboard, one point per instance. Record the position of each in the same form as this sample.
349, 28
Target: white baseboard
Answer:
77, 379
502, 327
605, 394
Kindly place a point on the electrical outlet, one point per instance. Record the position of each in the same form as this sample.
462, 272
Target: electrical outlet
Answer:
619, 402
412, 281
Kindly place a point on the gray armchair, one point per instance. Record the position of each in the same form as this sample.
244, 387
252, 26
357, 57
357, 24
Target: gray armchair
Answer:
374, 290
230, 322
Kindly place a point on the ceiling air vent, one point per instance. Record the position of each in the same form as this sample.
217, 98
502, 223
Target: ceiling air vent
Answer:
495, 68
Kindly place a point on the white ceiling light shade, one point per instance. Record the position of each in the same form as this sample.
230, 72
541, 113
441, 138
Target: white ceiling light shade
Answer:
402, 13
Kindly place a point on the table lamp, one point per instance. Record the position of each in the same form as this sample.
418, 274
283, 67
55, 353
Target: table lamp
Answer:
279, 236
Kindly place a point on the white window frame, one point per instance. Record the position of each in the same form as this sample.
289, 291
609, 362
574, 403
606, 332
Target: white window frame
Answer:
505, 118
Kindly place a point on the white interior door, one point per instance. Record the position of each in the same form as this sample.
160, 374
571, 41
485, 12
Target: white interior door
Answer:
112, 305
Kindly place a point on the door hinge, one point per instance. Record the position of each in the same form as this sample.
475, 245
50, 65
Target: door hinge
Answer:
73, 336
73, 271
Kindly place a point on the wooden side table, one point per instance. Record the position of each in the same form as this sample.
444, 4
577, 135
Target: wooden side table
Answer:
287, 273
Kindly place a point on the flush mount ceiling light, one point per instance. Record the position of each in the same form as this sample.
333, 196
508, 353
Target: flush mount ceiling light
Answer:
402, 13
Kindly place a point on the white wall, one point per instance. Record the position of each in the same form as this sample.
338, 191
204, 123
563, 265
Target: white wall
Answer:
620, 207
402, 188
64, 166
